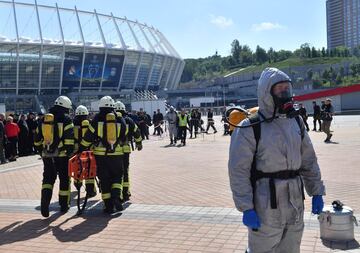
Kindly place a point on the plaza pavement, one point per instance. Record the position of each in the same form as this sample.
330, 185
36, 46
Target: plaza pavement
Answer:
181, 200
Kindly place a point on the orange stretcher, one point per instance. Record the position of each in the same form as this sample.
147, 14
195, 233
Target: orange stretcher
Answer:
82, 166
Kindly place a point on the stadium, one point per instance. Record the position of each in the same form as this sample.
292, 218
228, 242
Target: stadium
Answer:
48, 50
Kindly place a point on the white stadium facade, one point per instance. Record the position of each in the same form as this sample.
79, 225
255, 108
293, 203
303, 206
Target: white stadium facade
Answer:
48, 50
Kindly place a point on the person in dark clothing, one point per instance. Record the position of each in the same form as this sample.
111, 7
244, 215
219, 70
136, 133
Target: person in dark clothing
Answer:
211, 122
55, 154
194, 122
158, 120
134, 117
32, 125
154, 120
109, 157
317, 114
323, 105
2, 139
226, 124
327, 117
304, 116
23, 136
148, 123
143, 124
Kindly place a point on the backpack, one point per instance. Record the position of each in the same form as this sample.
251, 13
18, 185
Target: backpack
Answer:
52, 133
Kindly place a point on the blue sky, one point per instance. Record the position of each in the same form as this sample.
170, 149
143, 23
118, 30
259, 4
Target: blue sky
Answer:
197, 28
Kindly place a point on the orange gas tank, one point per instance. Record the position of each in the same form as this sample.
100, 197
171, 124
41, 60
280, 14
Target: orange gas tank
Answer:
236, 116
82, 166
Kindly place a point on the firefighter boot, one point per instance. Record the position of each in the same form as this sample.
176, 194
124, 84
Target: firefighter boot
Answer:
64, 203
116, 197
45, 201
108, 206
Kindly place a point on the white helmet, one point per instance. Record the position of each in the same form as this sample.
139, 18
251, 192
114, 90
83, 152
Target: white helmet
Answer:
81, 110
119, 106
63, 101
106, 102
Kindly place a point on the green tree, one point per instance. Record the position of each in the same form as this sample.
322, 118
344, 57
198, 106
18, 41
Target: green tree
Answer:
236, 51
342, 71
356, 51
283, 55
260, 55
338, 79
326, 75
323, 52
305, 51
314, 53
353, 69
271, 55
246, 55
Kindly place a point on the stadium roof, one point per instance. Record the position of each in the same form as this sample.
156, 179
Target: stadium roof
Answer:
53, 25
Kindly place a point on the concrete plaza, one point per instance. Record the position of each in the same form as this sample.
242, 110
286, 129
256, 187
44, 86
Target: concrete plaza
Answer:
181, 200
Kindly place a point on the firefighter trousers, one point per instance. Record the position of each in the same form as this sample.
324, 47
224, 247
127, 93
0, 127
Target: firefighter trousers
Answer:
110, 172
126, 178
54, 166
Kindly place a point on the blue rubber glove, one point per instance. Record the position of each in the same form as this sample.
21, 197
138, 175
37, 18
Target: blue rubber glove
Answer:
317, 204
251, 219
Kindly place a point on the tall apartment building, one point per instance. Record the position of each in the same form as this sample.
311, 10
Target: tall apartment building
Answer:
343, 23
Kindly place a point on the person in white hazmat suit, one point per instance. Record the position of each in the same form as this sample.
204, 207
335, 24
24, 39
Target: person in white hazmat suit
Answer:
171, 117
270, 190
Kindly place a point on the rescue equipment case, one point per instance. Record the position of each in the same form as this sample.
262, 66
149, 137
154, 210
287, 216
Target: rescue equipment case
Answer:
337, 223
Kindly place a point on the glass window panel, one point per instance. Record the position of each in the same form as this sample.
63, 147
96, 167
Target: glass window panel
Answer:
159, 61
29, 66
165, 74
129, 73
8, 66
51, 66
144, 71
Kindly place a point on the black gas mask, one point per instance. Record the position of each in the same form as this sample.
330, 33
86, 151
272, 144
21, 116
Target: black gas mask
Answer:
284, 103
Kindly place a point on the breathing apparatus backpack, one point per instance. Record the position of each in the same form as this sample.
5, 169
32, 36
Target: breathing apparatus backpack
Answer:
50, 131
110, 133
234, 116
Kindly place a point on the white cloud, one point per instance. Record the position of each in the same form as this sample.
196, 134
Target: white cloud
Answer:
221, 21
266, 26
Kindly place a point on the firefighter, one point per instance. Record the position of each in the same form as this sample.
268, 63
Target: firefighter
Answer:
54, 140
106, 133
81, 124
133, 132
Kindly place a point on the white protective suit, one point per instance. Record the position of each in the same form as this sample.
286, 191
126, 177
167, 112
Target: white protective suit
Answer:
171, 119
280, 148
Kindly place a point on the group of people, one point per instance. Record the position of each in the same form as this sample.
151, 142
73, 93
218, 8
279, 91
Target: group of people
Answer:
182, 122
110, 135
16, 135
322, 116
